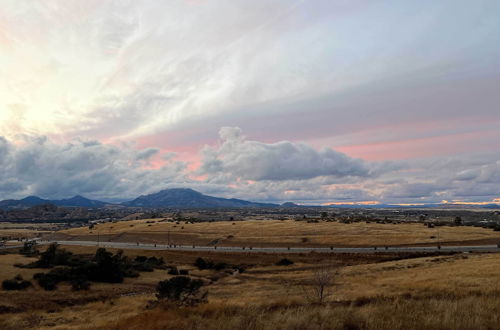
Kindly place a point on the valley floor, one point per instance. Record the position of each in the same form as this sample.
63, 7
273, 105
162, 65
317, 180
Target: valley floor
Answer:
276, 233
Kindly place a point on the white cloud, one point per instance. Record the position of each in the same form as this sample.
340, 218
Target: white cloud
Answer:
253, 160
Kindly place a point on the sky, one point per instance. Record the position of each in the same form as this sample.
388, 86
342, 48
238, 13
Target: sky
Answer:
315, 102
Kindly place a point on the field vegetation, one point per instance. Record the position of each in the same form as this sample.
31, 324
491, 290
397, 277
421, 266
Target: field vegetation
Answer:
261, 291
273, 233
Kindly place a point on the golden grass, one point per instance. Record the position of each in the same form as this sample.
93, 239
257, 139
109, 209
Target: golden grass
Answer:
281, 233
442, 313
434, 292
20, 230
7, 269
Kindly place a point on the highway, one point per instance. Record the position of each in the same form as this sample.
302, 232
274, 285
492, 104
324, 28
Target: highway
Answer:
390, 249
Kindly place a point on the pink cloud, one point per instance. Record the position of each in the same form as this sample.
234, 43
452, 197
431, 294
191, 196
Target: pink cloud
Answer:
424, 147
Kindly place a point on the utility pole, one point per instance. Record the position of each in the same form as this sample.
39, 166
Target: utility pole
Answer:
439, 244
261, 234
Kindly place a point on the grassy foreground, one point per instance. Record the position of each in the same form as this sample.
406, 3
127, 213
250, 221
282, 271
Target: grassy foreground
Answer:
374, 291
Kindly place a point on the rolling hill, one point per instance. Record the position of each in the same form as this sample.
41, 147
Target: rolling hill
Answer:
189, 198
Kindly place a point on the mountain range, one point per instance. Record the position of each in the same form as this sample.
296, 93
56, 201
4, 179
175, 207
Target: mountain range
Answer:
76, 201
169, 198
189, 198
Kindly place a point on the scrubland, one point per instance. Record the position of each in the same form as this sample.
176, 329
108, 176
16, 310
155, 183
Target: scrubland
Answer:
276, 233
372, 291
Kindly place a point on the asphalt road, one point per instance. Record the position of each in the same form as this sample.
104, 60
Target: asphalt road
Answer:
141, 246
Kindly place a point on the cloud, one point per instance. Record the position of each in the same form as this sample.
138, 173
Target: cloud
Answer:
413, 190
254, 160
146, 154
239, 167
38, 166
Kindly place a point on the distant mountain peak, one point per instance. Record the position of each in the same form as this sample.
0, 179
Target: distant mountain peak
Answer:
290, 204
77, 198
188, 198
76, 201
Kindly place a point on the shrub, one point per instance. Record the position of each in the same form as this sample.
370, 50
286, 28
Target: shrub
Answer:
17, 283
200, 263
104, 267
79, 284
109, 268
284, 262
173, 271
145, 264
54, 256
29, 249
183, 272
181, 290
46, 281
220, 266
141, 259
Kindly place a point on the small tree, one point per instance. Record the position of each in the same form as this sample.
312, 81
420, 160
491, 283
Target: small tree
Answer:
181, 290
108, 267
321, 285
201, 264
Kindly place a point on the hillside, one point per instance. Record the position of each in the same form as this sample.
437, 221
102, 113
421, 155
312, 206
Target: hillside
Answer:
30, 201
189, 198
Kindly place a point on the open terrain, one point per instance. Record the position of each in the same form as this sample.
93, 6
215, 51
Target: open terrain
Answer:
15, 231
377, 290
368, 290
280, 233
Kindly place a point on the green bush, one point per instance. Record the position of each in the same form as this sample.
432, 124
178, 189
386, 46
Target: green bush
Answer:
54, 256
46, 281
220, 266
80, 271
182, 290
145, 264
202, 264
17, 283
79, 284
284, 262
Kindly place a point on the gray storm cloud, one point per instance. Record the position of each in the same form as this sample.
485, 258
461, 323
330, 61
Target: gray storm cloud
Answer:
37, 166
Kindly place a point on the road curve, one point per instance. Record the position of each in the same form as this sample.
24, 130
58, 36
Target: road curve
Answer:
393, 249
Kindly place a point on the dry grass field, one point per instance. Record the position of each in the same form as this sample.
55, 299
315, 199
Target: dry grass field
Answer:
372, 291
19, 230
275, 233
